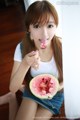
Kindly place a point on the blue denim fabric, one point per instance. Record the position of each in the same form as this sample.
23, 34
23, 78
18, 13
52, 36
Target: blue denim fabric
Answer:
52, 105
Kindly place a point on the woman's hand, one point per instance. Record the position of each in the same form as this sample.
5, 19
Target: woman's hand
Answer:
32, 59
60, 86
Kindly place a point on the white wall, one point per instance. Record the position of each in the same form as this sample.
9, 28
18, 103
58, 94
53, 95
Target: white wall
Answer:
28, 2
71, 57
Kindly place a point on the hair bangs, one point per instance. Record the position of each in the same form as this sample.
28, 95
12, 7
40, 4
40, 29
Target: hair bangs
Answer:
41, 18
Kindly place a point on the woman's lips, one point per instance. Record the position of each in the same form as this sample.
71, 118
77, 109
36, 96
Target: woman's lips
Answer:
43, 44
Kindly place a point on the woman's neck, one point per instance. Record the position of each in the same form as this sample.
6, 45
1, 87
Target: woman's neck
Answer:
46, 54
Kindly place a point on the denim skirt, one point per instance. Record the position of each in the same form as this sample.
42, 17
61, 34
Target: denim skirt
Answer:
52, 105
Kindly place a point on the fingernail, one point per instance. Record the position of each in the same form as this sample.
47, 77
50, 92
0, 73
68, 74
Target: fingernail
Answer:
33, 51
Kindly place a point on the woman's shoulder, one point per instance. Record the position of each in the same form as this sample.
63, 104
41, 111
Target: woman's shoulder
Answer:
17, 53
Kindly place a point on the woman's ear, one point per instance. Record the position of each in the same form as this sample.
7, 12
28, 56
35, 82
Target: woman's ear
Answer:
31, 37
27, 31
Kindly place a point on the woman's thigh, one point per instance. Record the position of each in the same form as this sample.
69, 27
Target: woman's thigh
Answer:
27, 110
43, 114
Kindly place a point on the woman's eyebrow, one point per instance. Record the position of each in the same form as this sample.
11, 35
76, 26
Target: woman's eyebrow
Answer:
51, 22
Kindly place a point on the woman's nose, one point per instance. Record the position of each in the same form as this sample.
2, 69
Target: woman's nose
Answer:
45, 33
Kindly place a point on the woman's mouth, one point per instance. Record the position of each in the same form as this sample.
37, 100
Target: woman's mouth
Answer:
43, 44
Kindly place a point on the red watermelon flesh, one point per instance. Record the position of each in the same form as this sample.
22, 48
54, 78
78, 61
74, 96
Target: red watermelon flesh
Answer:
44, 86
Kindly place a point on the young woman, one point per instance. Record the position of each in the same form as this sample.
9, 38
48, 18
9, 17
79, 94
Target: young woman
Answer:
39, 52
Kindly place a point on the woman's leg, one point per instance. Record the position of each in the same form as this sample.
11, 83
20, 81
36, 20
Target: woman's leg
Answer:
27, 110
10, 98
5, 98
13, 107
43, 114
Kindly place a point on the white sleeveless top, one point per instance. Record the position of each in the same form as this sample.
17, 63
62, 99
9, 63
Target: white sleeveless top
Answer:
44, 67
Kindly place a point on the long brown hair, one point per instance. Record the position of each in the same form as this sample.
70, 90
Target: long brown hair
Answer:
40, 12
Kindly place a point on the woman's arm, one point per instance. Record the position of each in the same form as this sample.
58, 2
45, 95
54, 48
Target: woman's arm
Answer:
21, 68
18, 73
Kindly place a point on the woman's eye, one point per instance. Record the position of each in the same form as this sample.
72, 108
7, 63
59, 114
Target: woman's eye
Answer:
36, 26
50, 26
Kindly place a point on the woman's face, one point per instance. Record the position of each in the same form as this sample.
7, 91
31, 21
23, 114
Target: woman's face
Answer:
43, 34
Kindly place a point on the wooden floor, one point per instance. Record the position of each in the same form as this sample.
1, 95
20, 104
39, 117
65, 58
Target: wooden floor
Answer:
11, 33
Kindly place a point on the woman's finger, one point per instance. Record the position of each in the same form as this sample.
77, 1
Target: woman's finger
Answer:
31, 53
